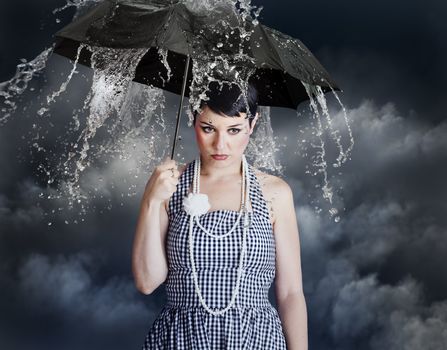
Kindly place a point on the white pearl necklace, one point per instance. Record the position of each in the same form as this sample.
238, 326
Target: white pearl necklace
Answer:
243, 210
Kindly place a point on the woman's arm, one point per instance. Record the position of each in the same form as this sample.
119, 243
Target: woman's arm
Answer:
288, 284
149, 262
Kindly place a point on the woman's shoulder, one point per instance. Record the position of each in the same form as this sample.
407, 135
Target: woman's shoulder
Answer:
271, 182
274, 189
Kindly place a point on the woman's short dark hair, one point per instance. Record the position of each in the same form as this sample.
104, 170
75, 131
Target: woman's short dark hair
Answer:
228, 100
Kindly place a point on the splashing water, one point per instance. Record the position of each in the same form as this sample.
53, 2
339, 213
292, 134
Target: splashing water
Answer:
52, 97
13, 88
122, 122
81, 6
212, 64
264, 144
318, 107
114, 70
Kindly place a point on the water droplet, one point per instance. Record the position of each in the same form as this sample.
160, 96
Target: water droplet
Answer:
333, 211
42, 111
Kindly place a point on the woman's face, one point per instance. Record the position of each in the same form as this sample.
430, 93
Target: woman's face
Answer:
224, 136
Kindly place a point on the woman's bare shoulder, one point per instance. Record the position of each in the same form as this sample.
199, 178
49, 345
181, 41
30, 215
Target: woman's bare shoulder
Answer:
271, 182
274, 189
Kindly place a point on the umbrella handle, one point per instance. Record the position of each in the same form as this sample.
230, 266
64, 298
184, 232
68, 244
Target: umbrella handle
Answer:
185, 78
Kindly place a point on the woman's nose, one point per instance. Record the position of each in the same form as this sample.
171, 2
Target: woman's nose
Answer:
220, 141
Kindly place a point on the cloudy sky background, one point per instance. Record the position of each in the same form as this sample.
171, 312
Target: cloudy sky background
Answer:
375, 280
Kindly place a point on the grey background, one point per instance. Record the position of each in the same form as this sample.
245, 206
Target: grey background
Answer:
375, 280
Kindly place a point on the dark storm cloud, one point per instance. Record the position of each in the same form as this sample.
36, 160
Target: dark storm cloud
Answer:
80, 308
394, 314
66, 284
364, 276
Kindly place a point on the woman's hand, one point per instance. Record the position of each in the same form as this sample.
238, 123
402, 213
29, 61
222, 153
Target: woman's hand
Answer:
162, 183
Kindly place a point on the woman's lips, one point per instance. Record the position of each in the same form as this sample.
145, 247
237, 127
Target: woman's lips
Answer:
219, 157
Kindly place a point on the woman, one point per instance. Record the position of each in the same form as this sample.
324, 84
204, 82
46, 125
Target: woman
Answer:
218, 258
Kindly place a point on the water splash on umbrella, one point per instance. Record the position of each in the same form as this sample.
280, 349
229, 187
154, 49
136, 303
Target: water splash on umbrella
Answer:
123, 121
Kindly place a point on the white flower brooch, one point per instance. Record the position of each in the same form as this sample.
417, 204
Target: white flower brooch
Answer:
196, 204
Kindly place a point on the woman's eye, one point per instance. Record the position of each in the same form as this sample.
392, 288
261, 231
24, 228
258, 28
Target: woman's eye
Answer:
208, 129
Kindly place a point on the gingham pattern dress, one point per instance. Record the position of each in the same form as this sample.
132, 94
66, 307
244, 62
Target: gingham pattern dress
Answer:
253, 322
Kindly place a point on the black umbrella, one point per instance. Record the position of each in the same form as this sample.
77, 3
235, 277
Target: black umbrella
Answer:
274, 62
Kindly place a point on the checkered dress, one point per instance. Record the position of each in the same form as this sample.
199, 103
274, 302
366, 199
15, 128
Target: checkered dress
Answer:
253, 323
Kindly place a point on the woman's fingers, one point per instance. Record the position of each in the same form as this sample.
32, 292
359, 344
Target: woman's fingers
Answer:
169, 174
167, 164
175, 173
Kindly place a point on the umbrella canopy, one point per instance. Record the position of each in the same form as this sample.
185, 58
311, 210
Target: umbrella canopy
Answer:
277, 62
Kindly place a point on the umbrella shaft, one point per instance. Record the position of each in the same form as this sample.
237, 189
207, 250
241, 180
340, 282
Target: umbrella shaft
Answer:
185, 78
